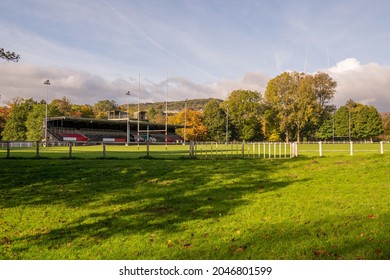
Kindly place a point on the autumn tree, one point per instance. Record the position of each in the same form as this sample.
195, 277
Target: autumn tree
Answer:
82, 111
195, 129
299, 101
64, 106
4, 113
102, 107
244, 109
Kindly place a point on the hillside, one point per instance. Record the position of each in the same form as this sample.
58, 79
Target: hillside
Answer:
195, 104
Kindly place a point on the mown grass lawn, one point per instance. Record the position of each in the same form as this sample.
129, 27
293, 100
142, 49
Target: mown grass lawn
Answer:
307, 208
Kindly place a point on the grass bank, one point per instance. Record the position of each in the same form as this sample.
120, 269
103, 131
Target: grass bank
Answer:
305, 208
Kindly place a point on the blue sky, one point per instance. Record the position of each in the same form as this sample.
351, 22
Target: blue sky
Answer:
93, 50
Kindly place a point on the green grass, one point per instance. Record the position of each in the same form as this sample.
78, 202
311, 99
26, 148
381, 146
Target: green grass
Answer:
307, 208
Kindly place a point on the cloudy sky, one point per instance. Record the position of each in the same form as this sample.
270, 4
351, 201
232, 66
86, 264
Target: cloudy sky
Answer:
99, 49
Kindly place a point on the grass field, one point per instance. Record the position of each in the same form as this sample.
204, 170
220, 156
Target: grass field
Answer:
202, 150
306, 208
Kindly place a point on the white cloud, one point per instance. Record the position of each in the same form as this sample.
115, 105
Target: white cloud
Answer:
26, 80
364, 83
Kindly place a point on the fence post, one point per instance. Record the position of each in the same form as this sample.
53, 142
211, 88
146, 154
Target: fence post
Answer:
8, 149
269, 150
382, 150
70, 149
37, 148
320, 146
351, 148
243, 149
147, 148
191, 148
104, 150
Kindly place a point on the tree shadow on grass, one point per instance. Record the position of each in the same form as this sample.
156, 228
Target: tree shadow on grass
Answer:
124, 198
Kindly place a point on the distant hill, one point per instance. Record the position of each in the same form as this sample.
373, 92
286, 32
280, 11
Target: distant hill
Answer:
194, 104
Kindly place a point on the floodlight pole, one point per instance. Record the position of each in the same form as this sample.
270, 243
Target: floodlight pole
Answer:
47, 83
166, 114
227, 124
185, 120
128, 119
139, 90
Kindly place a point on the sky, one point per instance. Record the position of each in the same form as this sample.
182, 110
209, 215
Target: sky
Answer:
92, 50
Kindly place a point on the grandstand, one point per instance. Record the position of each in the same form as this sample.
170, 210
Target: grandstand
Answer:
88, 130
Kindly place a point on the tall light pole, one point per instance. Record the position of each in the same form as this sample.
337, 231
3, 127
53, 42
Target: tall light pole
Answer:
166, 114
128, 119
47, 83
349, 124
227, 124
139, 90
185, 120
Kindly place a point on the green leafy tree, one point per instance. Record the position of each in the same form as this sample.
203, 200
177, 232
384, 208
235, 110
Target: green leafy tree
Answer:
342, 122
367, 123
214, 118
245, 113
386, 126
15, 128
35, 121
325, 131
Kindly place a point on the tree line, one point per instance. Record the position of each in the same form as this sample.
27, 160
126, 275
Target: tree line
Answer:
294, 107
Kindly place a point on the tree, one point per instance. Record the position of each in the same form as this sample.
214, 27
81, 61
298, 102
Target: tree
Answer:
367, 123
4, 113
386, 126
305, 103
15, 128
214, 118
325, 131
10, 56
355, 120
82, 111
244, 114
101, 108
64, 106
300, 102
325, 89
195, 129
35, 120
342, 122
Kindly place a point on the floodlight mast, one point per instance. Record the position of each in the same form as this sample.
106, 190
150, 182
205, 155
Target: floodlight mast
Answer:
47, 83
128, 119
166, 114
139, 90
185, 120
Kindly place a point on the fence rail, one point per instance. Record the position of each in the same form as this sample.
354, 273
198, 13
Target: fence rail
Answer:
258, 150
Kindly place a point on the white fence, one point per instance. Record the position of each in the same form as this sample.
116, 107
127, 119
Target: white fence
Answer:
266, 150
